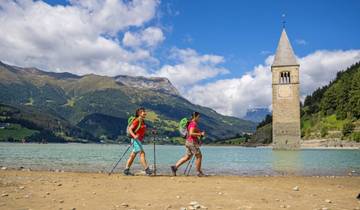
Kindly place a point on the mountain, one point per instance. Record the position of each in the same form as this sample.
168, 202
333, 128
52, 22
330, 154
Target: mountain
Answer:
256, 114
330, 112
155, 83
101, 105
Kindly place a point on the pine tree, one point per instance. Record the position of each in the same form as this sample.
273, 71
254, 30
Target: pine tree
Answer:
354, 102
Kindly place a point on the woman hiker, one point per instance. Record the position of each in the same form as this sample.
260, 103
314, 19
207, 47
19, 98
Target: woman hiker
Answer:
137, 134
192, 145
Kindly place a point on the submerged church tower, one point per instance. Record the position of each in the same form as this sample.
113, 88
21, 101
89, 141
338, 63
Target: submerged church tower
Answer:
285, 97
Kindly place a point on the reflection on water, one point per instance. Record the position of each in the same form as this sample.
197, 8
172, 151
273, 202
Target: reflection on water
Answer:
286, 162
225, 160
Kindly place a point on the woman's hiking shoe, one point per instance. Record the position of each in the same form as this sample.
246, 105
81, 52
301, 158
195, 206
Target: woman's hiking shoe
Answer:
173, 170
127, 172
148, 171
201, 174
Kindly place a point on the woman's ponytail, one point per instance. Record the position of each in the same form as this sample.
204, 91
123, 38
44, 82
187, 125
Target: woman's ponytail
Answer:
194, 115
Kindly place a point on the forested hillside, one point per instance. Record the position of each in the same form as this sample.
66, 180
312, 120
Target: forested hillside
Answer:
333, 111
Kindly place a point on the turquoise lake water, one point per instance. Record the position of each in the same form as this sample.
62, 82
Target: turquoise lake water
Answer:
219, 160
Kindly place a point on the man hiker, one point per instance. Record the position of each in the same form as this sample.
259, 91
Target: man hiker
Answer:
137, 130
192, 145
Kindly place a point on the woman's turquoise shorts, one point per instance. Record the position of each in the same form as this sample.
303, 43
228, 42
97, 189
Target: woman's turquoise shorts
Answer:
137, 145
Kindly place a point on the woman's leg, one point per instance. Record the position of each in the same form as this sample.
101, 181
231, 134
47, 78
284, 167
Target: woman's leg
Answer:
143, 160
183, 160
198, 162
130, 160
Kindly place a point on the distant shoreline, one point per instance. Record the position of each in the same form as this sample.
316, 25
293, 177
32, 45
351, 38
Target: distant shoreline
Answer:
356, 145
329, 144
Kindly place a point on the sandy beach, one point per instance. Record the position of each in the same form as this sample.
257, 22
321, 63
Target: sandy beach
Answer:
66, 190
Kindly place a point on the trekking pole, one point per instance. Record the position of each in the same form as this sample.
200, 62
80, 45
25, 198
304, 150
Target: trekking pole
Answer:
192, 161
154, 133
187, 166
120, 159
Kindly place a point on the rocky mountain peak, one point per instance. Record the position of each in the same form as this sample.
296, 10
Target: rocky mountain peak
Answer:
154, 83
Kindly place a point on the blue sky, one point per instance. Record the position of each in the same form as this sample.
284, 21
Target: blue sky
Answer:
246, 32
217, 53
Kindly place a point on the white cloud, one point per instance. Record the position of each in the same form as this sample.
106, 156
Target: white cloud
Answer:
188, 39
150, 37
235, 96
301, 42
111, 16
265, 52
131, 39
191, 67
320, 67
80, 37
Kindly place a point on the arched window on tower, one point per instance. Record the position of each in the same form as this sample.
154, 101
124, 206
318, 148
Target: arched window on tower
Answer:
285, 77
288, 77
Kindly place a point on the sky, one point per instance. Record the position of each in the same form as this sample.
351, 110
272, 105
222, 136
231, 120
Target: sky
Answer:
216, 53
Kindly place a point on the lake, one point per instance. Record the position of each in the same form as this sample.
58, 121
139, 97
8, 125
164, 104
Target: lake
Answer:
218, 160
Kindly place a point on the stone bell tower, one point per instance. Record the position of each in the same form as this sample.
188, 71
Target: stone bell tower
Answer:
285, 97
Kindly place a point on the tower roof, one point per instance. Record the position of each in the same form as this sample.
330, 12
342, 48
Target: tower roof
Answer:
284, 54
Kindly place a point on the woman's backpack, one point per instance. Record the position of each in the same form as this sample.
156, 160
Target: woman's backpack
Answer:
183, 127
130, 122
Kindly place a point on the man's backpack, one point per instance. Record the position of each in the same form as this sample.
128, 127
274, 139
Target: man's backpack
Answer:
183, 127
130, 122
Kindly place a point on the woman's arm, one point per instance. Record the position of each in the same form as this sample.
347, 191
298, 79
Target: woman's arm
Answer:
192, 132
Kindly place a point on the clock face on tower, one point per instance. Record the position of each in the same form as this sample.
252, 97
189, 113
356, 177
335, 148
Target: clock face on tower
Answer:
284, 92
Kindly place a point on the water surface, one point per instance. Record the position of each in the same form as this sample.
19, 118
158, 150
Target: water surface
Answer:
219, 160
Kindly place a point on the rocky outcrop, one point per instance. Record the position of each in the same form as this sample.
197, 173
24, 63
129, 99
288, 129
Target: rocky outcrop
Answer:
154, 83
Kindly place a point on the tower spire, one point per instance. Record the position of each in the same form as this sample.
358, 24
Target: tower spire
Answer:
284, 54
283, 20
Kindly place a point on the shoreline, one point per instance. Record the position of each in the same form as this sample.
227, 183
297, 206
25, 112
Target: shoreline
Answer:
303, 145
141, 173
68, 190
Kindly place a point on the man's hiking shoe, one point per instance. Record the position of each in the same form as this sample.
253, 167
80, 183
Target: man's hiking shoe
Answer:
173, 170
127, 172
148, 171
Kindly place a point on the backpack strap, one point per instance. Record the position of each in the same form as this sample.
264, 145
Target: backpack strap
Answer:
139, 125
187, 129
